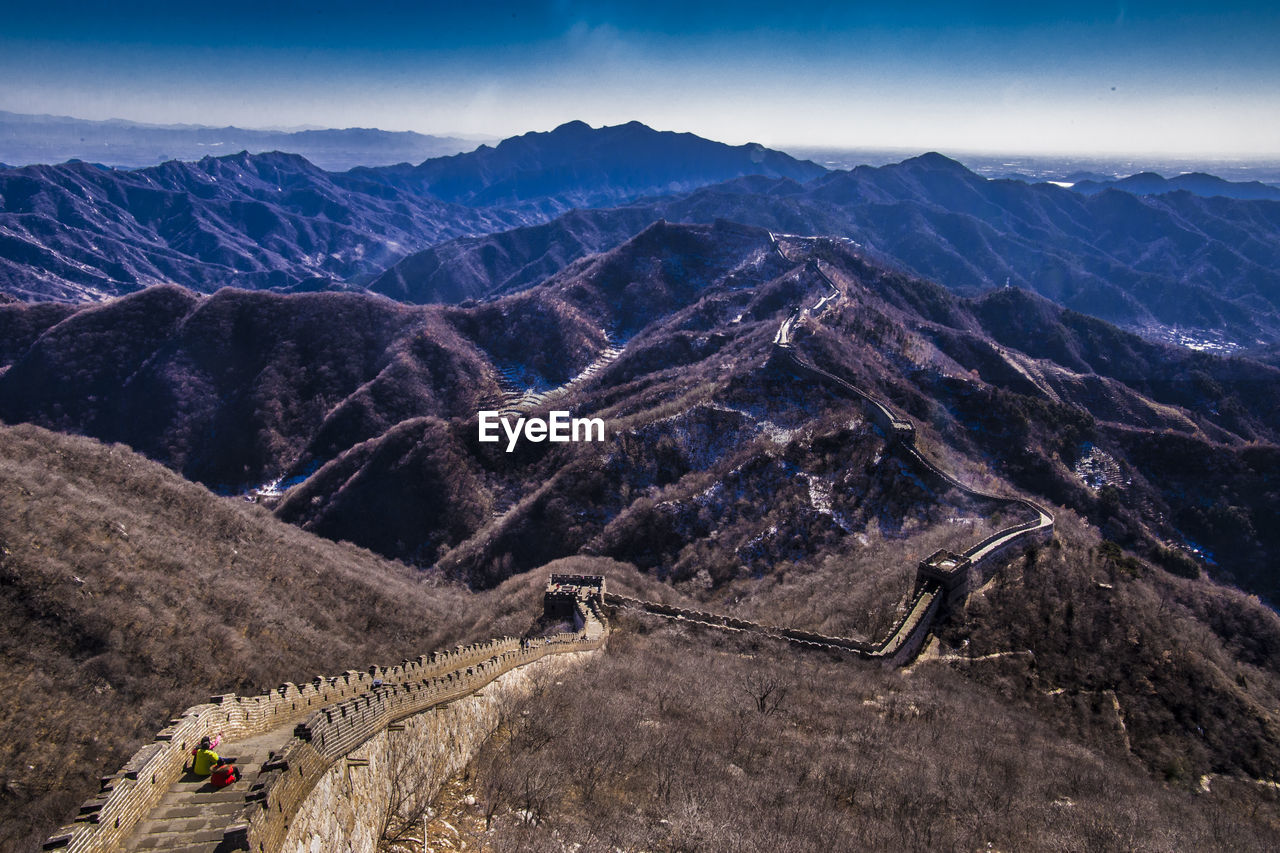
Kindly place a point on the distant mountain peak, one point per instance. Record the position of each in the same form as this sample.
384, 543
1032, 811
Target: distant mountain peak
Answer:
575, 126
1196, 183
935, 161
576, 165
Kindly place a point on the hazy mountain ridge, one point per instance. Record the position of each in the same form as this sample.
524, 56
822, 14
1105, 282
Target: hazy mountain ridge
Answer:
77, 231
31, 139
1173, 261
575, 165
1196, 183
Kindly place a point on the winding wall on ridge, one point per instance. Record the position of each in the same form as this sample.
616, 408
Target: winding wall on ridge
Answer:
290, 804
942, 581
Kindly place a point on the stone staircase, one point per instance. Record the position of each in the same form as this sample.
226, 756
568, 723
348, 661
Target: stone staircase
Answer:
192, 817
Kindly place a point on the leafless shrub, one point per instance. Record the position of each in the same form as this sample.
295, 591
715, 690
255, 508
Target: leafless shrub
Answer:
766, 692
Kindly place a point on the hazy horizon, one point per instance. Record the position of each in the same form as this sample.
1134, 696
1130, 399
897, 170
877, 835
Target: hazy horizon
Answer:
1181, 79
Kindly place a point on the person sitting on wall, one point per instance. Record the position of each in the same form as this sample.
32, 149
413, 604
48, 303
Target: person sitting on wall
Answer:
220, 771
205, 758
224, 774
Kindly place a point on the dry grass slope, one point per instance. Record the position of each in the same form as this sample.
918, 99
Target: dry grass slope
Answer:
128, 594
709, 741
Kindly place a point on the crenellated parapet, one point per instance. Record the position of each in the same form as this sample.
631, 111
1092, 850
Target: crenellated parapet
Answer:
333, 714
335, 731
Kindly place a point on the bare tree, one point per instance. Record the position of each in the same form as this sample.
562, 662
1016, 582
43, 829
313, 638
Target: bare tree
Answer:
415, 776
766, 692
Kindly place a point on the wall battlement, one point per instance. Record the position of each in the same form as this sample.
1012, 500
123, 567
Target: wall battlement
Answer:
575, 598
335, 714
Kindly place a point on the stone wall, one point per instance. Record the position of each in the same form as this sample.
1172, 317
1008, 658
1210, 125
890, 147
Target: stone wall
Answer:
334, 732
345, 810
132, 792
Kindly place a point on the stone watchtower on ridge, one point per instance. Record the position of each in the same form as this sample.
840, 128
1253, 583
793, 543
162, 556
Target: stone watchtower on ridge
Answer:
570, 598
949, 570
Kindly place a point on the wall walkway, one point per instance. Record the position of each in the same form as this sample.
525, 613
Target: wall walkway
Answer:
286, 740
297, 745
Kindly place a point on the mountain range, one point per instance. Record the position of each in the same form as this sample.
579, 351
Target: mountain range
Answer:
211, 487
1196, 183
576, 165
77, 231
1164, 262
369, 404
1206, 266
33, 139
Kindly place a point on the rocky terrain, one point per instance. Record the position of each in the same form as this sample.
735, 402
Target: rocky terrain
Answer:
1187, 265
293, 464
368, 406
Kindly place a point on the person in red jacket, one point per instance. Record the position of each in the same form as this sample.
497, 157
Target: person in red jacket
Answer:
223, 775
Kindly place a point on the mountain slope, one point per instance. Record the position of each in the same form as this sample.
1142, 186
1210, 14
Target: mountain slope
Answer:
1010, 379
78, 231
508, 261
239, 388
128, 594
885, 760
232, 389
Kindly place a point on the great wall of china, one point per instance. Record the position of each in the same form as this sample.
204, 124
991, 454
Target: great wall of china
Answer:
287, 740
942, 580
304, 788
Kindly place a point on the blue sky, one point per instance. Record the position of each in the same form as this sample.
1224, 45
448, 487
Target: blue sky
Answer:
1084, 77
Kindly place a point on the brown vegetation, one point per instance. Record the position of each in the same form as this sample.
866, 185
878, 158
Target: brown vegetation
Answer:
128, 594
684, 739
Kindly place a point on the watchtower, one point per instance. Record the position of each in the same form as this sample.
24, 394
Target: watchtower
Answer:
947, 569
568, 597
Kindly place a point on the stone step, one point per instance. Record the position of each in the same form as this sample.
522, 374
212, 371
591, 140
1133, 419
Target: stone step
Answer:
177, 840
231, 794
208, 819
187, 845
